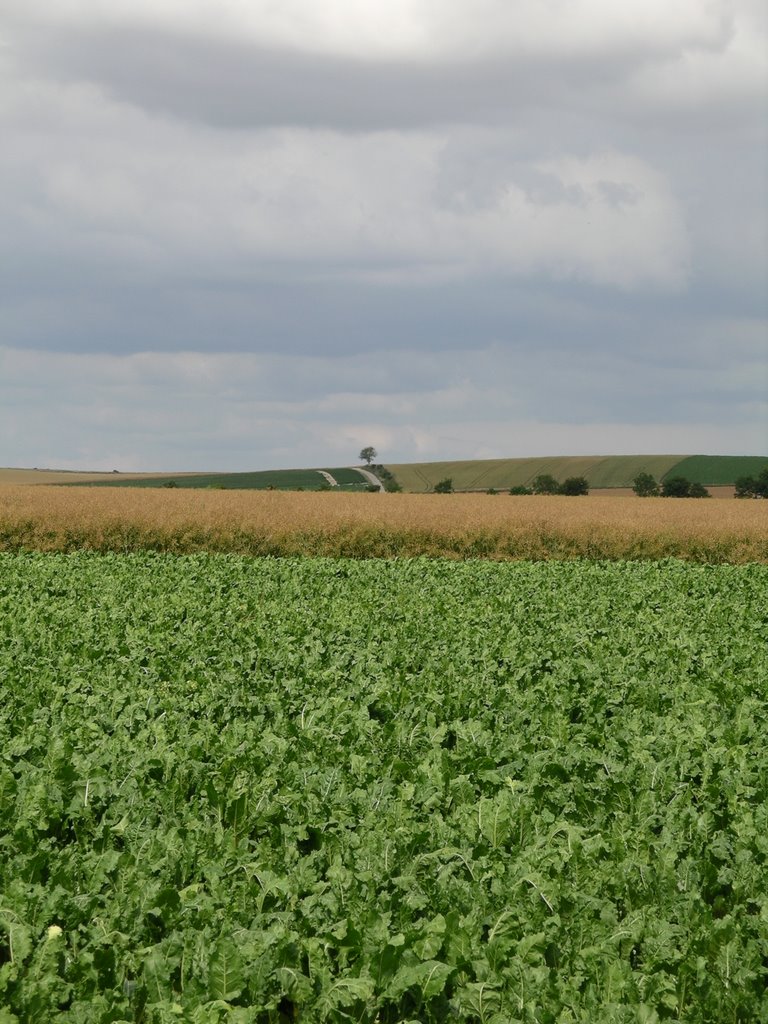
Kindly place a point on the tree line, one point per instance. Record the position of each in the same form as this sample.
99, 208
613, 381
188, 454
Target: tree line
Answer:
646, 486
542, 484
753, 486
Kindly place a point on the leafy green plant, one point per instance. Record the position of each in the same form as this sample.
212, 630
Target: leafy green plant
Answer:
235, 789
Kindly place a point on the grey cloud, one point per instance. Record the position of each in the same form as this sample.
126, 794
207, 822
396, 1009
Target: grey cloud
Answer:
334, 318
235, 411
236, 256
240, 85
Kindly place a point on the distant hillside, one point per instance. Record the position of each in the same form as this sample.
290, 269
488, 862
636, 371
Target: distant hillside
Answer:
346, 479
714, 470
600, 470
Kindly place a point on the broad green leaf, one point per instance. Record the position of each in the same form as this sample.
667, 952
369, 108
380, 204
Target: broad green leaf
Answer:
428, 977
225, 971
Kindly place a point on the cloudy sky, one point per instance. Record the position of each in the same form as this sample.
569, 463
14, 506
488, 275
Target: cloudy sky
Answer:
241, 234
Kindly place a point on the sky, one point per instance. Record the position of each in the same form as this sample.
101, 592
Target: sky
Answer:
240, 234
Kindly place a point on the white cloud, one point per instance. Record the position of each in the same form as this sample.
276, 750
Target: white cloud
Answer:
695, 78
414, 29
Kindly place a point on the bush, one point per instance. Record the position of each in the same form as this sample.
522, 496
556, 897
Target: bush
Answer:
444, 486
698, 490
745, 487
520, 489
676, 487
751, 487
545, 484
679, 487
574, 485
645, 486
390, 484
491, 490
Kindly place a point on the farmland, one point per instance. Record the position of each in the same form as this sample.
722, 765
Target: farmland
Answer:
600, 470
603, 472
330, 790
719, 469
383, 525
32, 477
276, 479
279, 479
527, 788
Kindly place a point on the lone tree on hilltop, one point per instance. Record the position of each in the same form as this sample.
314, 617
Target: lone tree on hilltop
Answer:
645, 486
545, 484
368, 454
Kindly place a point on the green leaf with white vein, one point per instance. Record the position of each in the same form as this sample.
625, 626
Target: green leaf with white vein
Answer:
225, 971
429, 978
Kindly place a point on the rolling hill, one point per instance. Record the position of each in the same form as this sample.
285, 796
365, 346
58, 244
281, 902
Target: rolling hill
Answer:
601, 471
346, 478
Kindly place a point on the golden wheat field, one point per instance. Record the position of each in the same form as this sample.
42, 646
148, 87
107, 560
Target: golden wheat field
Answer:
381, 525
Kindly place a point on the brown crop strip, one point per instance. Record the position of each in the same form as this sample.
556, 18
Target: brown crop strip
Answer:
376, 525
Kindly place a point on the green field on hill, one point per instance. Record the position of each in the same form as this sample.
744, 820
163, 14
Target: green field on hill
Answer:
600, 470
720, 469
279, 479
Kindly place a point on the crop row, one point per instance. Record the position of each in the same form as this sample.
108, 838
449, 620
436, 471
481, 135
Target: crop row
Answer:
380, 525
324, 790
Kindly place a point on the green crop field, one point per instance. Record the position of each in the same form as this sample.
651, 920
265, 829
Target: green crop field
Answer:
348, 477
247, 790
719, 469
279, 479
600, 471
